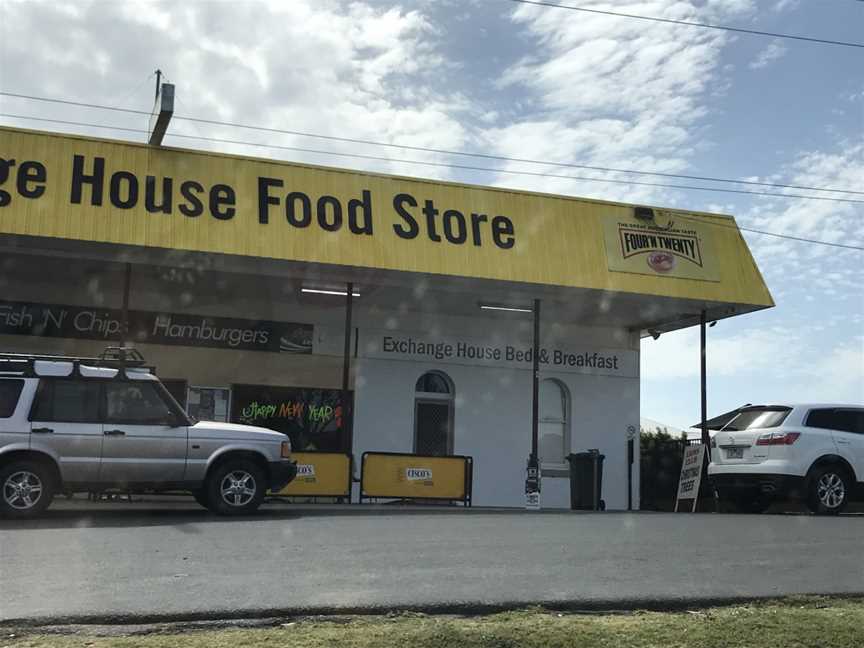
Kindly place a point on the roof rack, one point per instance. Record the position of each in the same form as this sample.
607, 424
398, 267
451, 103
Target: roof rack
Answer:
114, 357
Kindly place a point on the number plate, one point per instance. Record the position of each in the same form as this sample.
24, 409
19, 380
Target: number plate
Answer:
735, 453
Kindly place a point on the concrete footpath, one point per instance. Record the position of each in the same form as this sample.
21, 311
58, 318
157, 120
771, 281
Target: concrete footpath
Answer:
174, 561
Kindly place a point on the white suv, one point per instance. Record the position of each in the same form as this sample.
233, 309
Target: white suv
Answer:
771, 451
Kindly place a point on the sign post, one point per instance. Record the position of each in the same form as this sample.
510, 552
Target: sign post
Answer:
691, 475
532, 480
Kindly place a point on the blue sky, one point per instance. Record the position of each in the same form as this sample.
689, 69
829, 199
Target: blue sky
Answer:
530, 82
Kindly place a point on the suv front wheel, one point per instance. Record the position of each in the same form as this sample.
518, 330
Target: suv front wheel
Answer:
236, 487
828, 490
26, 489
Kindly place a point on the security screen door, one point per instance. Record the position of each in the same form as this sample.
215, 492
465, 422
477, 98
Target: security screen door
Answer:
432, 428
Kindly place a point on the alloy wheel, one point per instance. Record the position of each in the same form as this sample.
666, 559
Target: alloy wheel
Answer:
238, 488
22, 490
831, 490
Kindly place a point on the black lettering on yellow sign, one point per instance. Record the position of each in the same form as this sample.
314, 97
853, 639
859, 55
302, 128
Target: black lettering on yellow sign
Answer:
30, 179
682, 244
95, 184
124, 191
455, 225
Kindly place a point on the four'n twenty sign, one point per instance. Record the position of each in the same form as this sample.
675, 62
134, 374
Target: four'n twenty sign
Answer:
669, 248
55, 320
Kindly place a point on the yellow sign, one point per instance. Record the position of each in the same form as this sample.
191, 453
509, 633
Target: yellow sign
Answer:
85, 189
320, 474
412, 476
672, 245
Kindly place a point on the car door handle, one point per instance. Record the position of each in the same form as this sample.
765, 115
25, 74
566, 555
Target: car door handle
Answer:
114, 433
43, 430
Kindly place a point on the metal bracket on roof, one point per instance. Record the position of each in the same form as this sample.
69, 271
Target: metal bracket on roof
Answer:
163, 109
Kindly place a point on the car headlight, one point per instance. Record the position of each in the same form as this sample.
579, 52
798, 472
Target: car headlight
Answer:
286, 449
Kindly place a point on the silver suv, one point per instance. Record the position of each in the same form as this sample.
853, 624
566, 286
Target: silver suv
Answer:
93, 424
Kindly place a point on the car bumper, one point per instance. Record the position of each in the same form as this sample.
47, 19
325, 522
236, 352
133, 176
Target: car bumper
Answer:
774, 485
282, 473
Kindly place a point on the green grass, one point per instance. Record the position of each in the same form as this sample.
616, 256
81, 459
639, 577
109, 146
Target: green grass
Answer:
792, 623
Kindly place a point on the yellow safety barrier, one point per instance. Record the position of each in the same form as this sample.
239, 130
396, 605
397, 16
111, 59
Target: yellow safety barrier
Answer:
320, 474
391, 475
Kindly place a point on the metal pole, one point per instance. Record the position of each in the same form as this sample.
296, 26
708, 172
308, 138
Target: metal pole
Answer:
124, 328
532, 481
704, 382
347, 418
630, 453
536, 384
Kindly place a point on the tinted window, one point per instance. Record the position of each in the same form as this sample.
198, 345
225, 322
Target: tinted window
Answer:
844, 420
69, 401
10, 390
136, 403
758, 418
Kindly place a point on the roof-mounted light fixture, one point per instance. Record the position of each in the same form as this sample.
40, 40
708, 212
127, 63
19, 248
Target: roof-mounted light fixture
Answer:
322, 291
643, 213
501, 307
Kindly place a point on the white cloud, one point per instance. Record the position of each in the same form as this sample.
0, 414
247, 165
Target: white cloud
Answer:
836, 222
354, 69
676, 355
613, 92
835, 376
783, 5
774, 51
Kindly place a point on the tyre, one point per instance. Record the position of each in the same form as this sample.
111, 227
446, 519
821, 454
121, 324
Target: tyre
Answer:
828, 490
202, 498
236, 487
26, 489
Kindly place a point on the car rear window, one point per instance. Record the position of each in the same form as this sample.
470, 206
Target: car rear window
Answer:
10, 390
758, 418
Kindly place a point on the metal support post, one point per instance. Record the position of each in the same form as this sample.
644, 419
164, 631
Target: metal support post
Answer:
347, 413
532, 482
124, 327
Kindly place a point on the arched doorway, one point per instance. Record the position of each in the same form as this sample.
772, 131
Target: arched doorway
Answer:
433, 414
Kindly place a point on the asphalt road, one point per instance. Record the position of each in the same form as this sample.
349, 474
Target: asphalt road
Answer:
136, 564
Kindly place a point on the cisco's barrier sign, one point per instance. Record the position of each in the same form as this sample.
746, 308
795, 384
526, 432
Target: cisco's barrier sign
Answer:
475, 351
56, 320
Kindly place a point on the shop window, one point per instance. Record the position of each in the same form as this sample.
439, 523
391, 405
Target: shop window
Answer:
311, 417
433, 414
554, 425
208, 403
